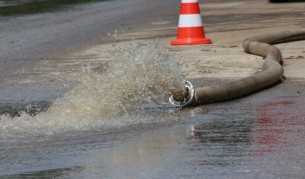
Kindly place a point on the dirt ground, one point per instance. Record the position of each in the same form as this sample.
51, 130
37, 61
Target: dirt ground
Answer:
227, 24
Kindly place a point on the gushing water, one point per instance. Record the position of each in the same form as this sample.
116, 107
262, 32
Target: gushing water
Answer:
137, 78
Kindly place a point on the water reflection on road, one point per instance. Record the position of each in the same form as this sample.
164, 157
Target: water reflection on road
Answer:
260, 136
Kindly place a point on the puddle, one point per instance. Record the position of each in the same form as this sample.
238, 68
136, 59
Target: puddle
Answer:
257, 136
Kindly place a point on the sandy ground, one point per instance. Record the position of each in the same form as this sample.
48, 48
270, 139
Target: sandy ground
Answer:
225, 58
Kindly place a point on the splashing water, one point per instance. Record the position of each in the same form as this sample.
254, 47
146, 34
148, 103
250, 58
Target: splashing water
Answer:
136, 78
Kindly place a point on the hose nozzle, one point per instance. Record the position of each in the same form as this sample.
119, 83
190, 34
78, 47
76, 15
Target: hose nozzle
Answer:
182, 97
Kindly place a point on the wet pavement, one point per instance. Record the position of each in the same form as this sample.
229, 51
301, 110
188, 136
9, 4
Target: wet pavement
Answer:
259, 136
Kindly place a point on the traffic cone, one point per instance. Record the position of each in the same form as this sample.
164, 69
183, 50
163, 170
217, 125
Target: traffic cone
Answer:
190, 28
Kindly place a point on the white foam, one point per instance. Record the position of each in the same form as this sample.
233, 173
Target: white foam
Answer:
136, 77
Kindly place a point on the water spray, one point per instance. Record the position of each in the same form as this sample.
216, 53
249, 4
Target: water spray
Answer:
183, 97
271, 74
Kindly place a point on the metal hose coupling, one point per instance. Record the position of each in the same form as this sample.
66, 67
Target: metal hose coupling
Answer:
190, 92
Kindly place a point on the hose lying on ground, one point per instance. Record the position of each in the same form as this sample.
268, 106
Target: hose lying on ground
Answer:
271, 73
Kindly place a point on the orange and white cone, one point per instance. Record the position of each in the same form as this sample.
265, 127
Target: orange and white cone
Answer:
190, 28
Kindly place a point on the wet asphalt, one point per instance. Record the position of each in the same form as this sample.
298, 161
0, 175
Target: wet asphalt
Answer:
27, 40
259, 136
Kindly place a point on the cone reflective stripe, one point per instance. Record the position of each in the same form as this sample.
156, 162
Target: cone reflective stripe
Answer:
190, 28
190, 20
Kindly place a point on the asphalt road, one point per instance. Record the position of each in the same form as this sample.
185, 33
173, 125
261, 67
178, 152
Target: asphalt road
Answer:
24, 40
259, 136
